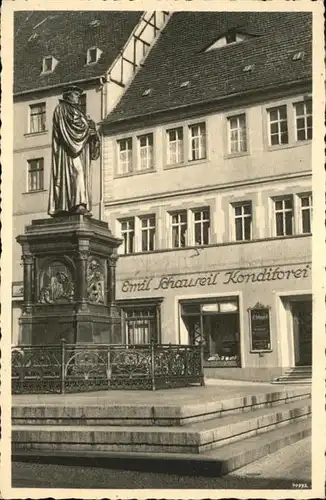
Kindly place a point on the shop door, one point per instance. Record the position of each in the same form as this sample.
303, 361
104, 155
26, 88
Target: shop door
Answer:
302, 324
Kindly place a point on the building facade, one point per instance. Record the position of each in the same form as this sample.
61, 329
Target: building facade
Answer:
207, 178
205, 174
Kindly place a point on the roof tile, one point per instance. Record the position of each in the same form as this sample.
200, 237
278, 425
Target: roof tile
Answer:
179, 55
66, 36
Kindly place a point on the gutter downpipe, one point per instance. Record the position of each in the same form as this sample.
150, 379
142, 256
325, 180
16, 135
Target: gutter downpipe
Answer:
104, 93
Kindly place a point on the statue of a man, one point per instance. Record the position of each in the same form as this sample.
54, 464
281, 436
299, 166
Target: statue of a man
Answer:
75, 143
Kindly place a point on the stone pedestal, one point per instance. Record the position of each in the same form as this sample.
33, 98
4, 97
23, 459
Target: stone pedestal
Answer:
69, 282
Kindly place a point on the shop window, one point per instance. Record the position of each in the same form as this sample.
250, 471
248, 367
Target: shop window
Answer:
175, 146
128, 235
243, 221
35, 174
140, 323
278, 126
145, 152
303, 116
197, 141
125, 156
237, 134
201, 226
283, 216
148, 233
37, 118
215, 324
306, 213
179, 229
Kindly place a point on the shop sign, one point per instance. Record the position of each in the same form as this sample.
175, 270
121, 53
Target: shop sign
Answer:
220, 307
259, 324
210, 308
236, 277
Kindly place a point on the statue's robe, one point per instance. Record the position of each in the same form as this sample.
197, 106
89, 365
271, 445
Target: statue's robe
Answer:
74, 145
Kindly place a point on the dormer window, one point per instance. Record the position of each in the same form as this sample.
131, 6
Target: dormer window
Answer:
93, 55
231, 37
49, 64
298, 56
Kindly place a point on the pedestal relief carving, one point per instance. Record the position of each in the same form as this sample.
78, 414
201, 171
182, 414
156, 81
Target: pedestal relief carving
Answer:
56, 284
95, 281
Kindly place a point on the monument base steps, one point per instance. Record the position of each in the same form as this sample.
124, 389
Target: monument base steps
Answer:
216, 438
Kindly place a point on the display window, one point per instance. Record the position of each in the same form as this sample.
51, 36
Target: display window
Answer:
215, 324
140, 321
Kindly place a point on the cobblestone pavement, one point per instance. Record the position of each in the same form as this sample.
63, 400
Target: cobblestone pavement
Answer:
284, 469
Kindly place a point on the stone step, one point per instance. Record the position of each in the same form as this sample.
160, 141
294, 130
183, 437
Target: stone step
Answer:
293, 380
194, 438
148, 414
299, 369
213, 463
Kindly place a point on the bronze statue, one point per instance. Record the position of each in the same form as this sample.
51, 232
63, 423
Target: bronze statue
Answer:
75, 143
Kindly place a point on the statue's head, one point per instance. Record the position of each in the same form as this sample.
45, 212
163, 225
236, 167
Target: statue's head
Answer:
72, 94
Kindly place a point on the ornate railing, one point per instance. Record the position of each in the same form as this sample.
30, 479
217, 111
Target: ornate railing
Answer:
92, 367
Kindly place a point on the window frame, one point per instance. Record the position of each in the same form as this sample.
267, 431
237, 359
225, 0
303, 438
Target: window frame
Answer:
39, 171
43, 114
179, 225
243, 217
98, 53
135, 303
193, 222
229, 116
118, 151
190, 138
168, 142
295, 103
279, 121
185, 125
284, 198
309, 208
127, 232
138, 164
54, 63
290, 103
135, 154
147, 229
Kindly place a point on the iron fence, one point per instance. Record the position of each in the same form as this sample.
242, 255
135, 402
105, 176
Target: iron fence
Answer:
71, 368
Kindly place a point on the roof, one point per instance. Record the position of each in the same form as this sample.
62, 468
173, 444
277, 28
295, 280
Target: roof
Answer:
179, 55
66, 35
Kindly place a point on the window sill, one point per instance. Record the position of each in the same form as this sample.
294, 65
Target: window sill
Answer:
185, 164
136, 172
37, 191
221, 363
198, 248
288, 146
229, 156
261, 351
277, 236
32, 134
